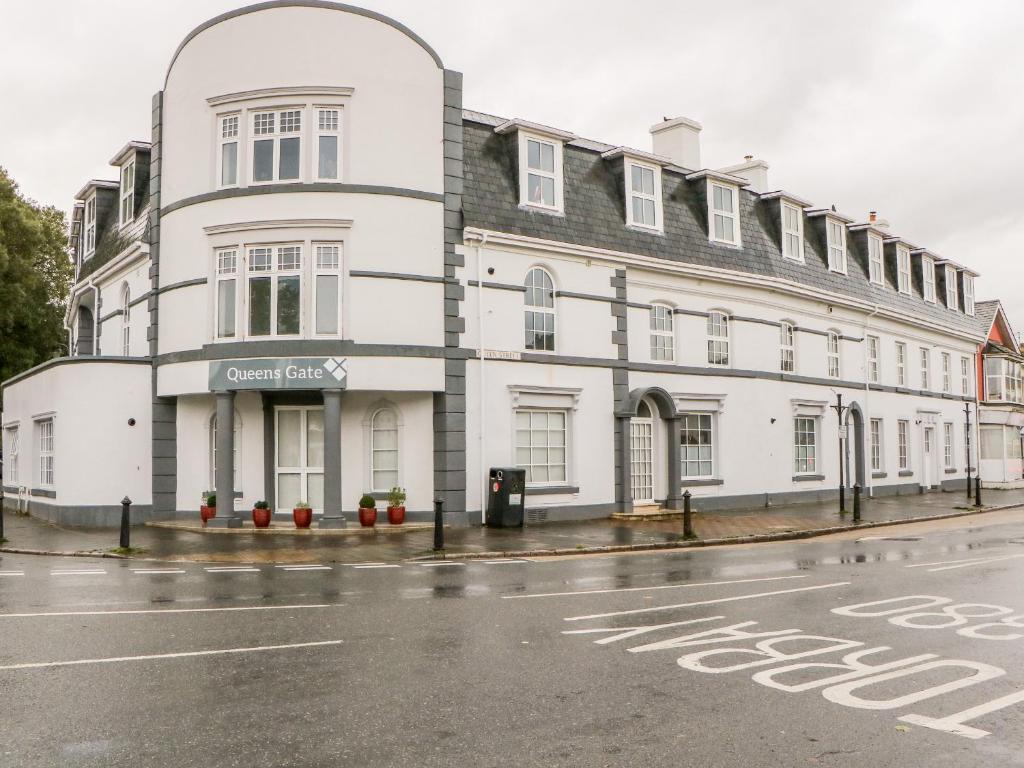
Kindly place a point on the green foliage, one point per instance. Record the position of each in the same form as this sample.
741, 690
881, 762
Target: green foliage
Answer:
35, 275
261, 505
302, 505
396, 497
367, 501
211, 499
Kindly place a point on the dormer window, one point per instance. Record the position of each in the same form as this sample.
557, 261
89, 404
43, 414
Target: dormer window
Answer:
836, 233
127, 192
792, 232
903, 268
951, 293
722, 213
969, 294
928, 278
876, 270
643, 208
540, 180
89, 238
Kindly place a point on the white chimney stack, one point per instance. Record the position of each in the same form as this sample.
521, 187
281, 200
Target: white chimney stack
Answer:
678, 140
754, 171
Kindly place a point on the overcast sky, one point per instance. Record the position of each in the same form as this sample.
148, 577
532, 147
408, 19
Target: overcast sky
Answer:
913, 109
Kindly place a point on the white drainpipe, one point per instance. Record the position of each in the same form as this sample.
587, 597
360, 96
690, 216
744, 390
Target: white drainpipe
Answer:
866, 444
480, 403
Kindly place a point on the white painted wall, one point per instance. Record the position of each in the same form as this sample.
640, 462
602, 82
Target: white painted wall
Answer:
136, 276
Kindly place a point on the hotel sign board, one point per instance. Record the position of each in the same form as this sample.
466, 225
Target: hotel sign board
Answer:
279, 373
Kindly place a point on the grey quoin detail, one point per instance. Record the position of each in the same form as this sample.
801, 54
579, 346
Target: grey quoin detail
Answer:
450, 405
620, 397
303, 4
332, 452
318, 186
395, 276
224, 471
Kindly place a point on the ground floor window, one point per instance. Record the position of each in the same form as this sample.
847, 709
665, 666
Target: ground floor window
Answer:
384, 449
11, 446
299, 456
44, 441
541, 443
903, 439
947, 444
876, 445
805, 445
696, 448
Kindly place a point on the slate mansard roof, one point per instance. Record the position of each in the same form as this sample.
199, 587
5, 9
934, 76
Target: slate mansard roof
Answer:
594, 202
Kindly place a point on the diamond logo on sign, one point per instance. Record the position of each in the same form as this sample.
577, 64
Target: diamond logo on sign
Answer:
337, 367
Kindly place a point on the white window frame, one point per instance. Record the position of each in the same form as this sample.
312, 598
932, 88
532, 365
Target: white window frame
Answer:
274, 273
903, 444
226, 263
718, 338
876, 259
540, 309
45, 450
663, 337
965, 376
733, 216
684, 430
834, 355
903, 269
788, 232
836, 251
874, 347
901, 364
926, 369
321, 267
947, 373
276, 136
632, 195
555, 174
969, 294
331, 130
126, 196
876, 434
809, 461
928, 278
89, 236
787, 347
374, 450
566, 445
949, 445
952, 300
12, 447
229, 128
126, 320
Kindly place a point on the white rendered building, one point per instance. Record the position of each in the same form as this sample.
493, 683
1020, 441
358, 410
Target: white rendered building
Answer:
323, 277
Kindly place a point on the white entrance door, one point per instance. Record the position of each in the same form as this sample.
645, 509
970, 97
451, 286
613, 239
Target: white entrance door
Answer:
299, 456
929, 457
641, 445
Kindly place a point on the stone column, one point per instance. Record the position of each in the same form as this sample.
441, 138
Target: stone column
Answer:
224, 472
332, 452
674, 495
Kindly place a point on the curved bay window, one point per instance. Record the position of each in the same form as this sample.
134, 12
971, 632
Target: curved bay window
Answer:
540, 311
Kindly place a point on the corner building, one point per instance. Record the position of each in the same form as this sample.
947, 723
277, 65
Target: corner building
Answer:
323, 277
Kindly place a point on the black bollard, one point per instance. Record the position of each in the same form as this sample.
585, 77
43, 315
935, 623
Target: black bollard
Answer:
687, 519
1, 513
977, 491
126, 504
438, 526
856, 503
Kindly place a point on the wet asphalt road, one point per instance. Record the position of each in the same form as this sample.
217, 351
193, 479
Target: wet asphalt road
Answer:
470, 664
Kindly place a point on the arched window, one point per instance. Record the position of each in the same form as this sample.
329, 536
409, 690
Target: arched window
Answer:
213, 450
834, 367
718, 338
126, 319
787, 347
662, 335
540, 311
384, 449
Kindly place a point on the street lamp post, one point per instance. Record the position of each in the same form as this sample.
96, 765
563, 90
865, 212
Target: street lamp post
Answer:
1021, 434
840, 409
967, 432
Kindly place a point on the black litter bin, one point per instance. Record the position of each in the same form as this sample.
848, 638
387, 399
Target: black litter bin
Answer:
506, 497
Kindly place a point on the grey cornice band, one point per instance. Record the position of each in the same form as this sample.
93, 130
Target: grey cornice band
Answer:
395, 276
319, 186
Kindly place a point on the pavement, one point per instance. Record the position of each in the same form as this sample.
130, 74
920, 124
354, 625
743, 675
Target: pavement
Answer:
186, 542
896, 647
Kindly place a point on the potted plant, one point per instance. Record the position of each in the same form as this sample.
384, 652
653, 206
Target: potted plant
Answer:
208, 506
367, 511
302, 514
261, 514
396, 506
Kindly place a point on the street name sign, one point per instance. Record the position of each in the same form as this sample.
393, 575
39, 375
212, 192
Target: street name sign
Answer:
279, 373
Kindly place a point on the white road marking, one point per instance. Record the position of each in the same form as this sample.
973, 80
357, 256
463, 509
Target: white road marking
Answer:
12, 573
435, 565
951, 562
77, 573
504, 562
154, 571
169, 610
232, 569
304, 567
156, 656
650, 589
976, 562
707, 602
376, 565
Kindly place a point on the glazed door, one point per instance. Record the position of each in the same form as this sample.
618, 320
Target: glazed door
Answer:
928, 470
641, 444
299, 457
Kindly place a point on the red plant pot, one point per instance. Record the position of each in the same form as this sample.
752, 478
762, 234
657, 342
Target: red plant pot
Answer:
368, 516
206, 512
302, 516
261, 518
396, 515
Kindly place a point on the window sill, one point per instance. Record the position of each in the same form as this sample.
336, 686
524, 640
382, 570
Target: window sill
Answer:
726, 244
646, 230
906, 473
807, 478
700, 482
552, 489
541, 209
47, 493
879, 475
951, 471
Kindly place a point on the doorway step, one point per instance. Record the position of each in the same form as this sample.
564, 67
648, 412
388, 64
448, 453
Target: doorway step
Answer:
649, 512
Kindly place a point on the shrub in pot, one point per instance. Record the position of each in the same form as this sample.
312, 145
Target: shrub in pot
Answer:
208, 506
367, 511
261, 514
396, 506
302, 514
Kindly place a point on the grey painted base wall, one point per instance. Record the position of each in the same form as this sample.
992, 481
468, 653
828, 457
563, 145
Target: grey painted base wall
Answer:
105, 516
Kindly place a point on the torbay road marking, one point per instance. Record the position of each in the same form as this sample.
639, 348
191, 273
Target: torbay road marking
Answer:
157, 656
170, 610
649, 589
707, 602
